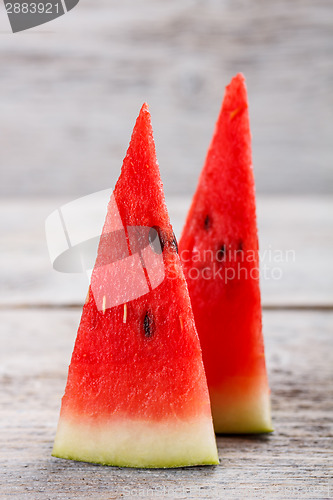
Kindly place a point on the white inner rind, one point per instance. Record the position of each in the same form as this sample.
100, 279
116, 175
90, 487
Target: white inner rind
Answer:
135, 443
242, 411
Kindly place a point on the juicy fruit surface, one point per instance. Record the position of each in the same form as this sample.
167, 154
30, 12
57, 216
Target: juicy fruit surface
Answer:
117, 369
140, 361
219, 251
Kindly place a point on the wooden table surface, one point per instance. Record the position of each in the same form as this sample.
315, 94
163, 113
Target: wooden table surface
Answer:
39, 314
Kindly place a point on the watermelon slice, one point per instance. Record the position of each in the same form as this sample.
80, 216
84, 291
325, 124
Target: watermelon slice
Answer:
219, 251
136, 392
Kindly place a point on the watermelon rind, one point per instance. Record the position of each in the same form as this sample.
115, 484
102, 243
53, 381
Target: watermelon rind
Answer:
140, 444
242, 412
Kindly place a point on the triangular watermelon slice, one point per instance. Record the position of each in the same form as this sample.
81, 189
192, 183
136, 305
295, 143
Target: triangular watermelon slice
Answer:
219, 251
136, 392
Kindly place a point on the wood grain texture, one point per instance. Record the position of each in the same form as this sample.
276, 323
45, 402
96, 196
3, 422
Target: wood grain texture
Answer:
71, 90
296, 244
294, 462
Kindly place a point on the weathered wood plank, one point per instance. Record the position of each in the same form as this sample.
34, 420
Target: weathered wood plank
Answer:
296, 230
294, 462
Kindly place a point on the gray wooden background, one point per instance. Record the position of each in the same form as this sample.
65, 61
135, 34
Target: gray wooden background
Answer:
70, 92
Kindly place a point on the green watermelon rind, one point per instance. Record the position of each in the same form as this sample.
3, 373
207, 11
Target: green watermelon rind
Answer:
239, 411
138, 444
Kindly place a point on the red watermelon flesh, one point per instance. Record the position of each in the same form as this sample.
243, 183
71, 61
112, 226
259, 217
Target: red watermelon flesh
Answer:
219, 251
136, 392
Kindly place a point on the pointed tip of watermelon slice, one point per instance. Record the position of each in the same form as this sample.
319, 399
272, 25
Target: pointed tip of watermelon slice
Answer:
145, 108
143, 121
235, 99
141, 151
140, 176
239, 77
144, 118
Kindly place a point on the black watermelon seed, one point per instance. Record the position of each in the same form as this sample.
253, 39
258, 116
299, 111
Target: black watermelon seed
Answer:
155, 240
220, 254
240, 250
158, 240
174, 243
147, 325
207, 222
